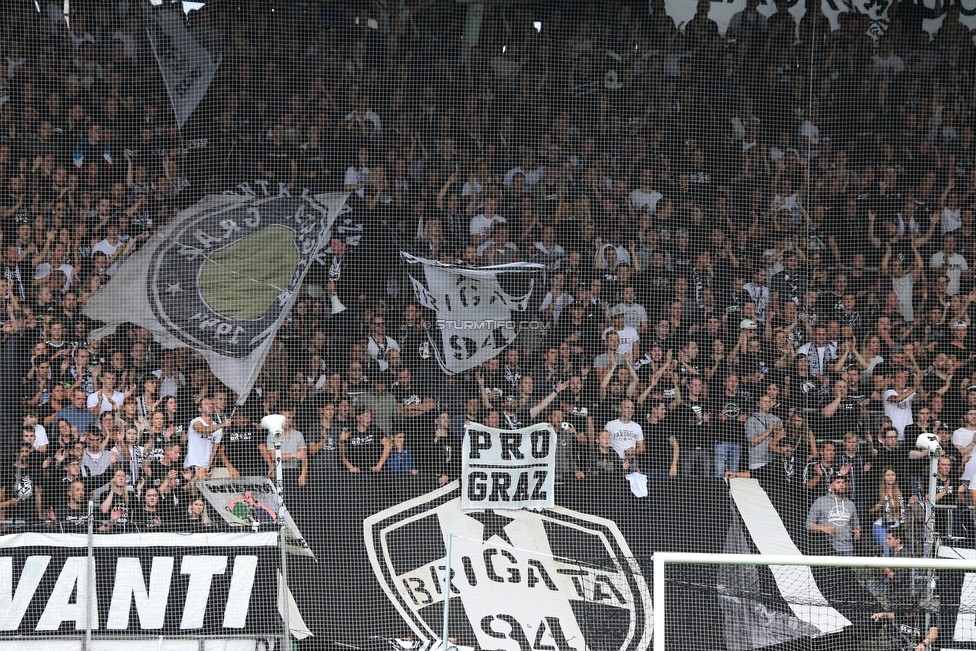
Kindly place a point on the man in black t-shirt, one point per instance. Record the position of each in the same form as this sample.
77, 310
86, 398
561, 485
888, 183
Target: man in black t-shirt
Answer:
578, 407
239, 452
734, 407
360, 447
71, 514
660, 458
20, 491
694, 423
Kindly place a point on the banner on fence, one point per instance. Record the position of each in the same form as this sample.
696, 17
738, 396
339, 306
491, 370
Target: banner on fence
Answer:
252, 502
155, 584
508, 469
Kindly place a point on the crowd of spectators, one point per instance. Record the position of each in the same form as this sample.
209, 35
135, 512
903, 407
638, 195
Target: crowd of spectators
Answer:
757, 248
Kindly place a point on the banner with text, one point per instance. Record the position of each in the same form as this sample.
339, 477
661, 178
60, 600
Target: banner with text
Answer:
221, 278
508, 469
478, 312
157, 584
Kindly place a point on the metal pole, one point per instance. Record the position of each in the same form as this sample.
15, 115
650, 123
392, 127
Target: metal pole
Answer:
91, 574
447, 588
930, 505
658, 602
286, 640
930, 537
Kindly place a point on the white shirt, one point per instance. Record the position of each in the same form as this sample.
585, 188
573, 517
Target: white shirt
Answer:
961, 438
627, 338
378, 352
951, 220
104, 405
624, 436
645, 200
634, 315
199, 446
481, 225
900, 413
954, 267
106, 247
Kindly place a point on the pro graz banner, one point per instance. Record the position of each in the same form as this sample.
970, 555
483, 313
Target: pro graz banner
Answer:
158, 584
506, 469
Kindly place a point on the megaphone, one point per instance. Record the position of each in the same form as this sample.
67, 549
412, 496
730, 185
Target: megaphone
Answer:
337, 305
274, 423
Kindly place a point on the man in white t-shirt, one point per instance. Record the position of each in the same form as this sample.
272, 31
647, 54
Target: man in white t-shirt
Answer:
645, 197
898, 403
949, 262
626, 436
107, 398
627, 336
964, 439
482, 224
115, 246
201, 439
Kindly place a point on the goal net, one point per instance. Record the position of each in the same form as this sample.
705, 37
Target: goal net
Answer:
787, 602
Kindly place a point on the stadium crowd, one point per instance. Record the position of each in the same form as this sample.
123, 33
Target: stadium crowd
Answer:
757, 247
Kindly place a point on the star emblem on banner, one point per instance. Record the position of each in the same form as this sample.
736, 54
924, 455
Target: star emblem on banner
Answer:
173, 289
492, 524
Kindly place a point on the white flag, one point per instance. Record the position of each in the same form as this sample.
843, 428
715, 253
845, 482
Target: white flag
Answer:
477, 312
221, 278
186, 66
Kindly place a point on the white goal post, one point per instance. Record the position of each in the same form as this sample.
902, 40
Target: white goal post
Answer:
662, 559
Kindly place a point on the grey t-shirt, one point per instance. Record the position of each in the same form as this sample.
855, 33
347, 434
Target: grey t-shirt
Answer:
290, 444
839, 513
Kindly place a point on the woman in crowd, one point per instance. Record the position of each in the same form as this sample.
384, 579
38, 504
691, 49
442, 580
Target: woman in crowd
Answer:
129, 455
116, 504
891, 508
150, 516
197, 518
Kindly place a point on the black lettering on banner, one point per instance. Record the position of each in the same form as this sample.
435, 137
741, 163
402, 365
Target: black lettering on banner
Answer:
500, 483
540, 443
556, 631
438, 580
468, 293
574, 576
477, 486
540, 477
511, 441
543, 575
416, 586
463, 347
516, 633
469, 572
514, 576
521, 493
480, 441
600, 595
496, 339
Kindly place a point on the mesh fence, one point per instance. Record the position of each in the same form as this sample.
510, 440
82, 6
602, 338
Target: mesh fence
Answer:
720, 248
